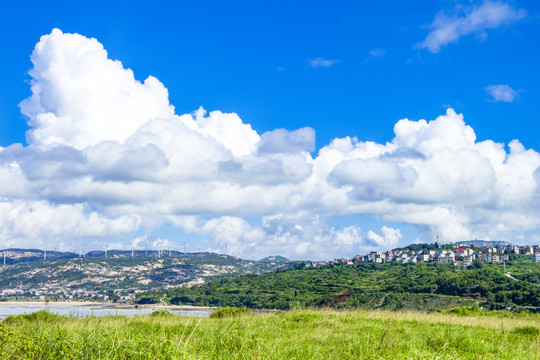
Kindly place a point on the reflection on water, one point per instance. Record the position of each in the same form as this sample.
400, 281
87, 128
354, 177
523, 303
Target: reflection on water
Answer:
93, 310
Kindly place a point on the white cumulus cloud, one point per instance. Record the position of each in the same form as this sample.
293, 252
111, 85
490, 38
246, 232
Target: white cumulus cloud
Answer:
108, 158
390, 237
71, 67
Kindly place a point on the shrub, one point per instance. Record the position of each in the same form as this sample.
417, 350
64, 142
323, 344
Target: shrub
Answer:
161, 313
38, 316
178, 300
147, 300
228, 311
527, 330
462, 311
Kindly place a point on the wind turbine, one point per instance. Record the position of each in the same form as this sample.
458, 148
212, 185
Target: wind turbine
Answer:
158, 248
11, 247
105, 249
4, 256
79, 246
132, 243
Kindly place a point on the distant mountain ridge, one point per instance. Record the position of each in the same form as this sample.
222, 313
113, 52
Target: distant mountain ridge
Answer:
484, 243
17, 255
275, 259
28, 273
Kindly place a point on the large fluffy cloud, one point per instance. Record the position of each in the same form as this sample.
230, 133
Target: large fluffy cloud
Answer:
108, 157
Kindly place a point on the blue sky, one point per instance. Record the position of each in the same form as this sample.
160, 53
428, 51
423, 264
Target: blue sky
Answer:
343, 69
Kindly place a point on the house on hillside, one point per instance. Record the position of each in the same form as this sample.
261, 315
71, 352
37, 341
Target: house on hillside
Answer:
423, 257
467, 260
527, 250
447, 257
485, 257
461, 252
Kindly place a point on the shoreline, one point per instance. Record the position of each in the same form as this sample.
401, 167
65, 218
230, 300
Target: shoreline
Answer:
106, 305
48, 303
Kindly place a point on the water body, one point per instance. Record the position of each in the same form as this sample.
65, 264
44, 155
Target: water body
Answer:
81, 311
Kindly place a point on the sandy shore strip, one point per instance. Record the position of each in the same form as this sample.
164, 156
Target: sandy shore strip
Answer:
49, 303
161, 306
106, 305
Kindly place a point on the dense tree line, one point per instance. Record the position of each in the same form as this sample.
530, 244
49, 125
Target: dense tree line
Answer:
423, 286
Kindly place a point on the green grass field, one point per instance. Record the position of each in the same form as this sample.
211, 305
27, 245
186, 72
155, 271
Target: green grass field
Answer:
302, 334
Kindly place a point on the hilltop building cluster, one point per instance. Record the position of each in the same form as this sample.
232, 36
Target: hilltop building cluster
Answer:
458, 254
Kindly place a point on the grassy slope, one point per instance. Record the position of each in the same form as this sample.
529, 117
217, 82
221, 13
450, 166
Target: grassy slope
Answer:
289, 335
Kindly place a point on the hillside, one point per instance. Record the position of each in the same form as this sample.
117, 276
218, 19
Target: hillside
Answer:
422, 286
65, 275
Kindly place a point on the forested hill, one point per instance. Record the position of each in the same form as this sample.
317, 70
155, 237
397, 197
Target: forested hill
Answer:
422, 286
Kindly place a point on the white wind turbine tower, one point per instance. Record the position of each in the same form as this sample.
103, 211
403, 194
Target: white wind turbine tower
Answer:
79, 247
158, 248
132, 244
105, 249
11, 245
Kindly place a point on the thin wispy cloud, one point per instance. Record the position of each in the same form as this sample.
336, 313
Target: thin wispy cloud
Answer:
502, 93
321, 62
377, 52
469, 20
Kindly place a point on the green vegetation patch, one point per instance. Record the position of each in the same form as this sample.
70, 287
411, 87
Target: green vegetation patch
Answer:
229, 312
527, 331
161, 313
42, 316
